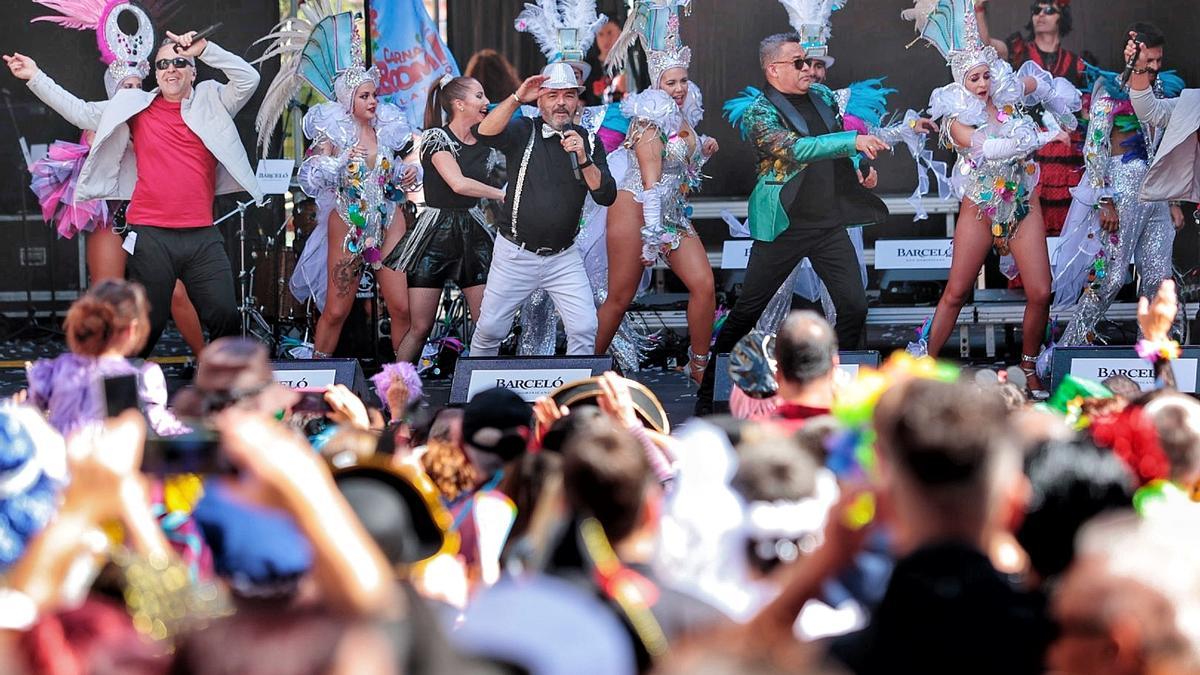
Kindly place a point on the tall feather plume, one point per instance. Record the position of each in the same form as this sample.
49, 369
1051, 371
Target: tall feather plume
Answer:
634, 25
582, 14
288, 40
810, 12
76, 14
542, 21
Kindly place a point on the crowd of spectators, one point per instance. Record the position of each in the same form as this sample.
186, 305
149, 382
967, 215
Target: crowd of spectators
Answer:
914, 519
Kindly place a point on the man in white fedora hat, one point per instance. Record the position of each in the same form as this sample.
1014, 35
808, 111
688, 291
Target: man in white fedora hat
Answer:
553, 165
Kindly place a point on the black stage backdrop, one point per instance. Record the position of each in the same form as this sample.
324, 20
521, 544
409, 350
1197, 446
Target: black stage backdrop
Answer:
71, 58
869, 40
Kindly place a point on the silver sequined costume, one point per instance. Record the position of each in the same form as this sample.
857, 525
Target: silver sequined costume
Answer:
1092, 265
365, 196
996, 171
653, 111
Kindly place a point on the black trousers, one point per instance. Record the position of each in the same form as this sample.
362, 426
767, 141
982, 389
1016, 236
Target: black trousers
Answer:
835, 262
197, 256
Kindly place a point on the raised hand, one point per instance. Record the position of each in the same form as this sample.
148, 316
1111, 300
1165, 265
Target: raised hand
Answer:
1156, 318
615, 399
347, 408
187, 44
21, 66
528, 91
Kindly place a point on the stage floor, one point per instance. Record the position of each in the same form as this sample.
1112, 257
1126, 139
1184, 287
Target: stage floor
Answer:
673, 388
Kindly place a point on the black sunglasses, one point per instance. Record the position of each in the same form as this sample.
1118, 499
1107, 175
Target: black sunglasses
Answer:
1048, 10
179, 62
799, 64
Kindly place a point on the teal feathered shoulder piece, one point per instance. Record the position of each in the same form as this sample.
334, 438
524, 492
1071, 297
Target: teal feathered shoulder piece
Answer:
734, 110
1172, 84
868, 101
1169, 82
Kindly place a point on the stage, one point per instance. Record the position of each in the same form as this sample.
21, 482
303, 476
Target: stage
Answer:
673, 388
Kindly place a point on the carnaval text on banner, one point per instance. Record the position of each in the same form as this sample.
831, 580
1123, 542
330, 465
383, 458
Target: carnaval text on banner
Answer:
410, 55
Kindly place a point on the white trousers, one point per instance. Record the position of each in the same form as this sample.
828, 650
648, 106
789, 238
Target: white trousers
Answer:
514, 275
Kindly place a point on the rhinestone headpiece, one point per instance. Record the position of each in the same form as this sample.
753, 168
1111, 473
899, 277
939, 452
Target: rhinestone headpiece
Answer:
673, 54
119, 71
654, 23
126, 54
357, 74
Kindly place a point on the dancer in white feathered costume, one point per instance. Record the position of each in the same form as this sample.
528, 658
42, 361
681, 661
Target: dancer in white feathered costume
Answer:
353, 171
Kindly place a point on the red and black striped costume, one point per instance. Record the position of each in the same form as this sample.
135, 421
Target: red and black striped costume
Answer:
1062, 166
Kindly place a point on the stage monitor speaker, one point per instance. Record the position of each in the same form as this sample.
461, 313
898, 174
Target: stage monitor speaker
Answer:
1100, 363
530, 376
849, 362
307, 373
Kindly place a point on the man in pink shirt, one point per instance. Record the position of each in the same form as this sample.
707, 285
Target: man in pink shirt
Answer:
169, 152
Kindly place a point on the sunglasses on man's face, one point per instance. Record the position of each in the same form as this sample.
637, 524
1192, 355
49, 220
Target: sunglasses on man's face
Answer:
179, 62
1048, 10
801, 64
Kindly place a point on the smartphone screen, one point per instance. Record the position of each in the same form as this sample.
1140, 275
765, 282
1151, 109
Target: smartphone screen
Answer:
198, 451
311, 401
121, 394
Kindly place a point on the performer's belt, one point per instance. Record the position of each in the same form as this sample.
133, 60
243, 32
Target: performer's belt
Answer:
541, 250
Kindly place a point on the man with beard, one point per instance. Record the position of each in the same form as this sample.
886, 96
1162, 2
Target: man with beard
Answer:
553, 165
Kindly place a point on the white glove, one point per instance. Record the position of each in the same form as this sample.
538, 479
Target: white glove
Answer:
652, 226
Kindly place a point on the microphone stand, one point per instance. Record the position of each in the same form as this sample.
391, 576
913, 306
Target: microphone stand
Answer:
246, 277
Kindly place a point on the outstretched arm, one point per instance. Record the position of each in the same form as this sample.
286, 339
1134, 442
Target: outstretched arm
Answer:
83, 114
243, 78
768, 134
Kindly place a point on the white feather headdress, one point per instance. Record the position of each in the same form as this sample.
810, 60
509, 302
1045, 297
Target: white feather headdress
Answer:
564, 29
811, 19
322, 46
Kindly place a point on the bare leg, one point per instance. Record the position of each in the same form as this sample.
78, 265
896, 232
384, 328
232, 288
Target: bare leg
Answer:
186, 319
474, 300
105, 257
422, 305
690, 264
343, 273
393, 286
624, 240
1029, 251
972, 240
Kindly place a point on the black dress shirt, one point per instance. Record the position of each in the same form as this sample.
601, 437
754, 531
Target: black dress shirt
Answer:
551, 198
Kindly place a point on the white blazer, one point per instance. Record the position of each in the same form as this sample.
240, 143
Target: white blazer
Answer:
1173, 175
110, 170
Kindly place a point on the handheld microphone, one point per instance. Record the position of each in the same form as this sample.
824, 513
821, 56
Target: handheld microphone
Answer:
202, 35
575, 166
1137, 51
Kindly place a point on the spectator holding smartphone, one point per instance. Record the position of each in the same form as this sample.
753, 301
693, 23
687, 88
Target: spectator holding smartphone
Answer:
105, 329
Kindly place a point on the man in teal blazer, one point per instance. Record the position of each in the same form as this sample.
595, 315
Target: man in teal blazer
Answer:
808, 192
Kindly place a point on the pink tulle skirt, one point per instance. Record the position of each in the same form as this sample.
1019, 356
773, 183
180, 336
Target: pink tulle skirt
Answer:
54, 180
